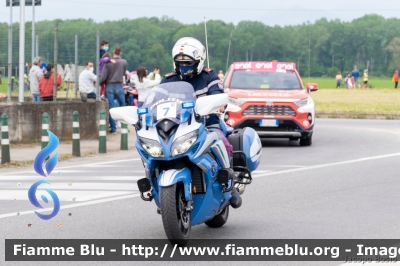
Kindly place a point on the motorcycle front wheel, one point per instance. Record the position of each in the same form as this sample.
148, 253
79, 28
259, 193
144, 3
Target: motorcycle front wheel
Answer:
176, 220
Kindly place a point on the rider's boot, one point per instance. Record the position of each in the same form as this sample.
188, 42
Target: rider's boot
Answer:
236, 199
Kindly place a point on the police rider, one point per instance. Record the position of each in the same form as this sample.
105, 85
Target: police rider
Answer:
189, 56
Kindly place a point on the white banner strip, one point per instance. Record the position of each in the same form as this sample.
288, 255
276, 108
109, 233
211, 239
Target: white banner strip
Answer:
75, 124
4, 128
102, 133
124, 131
45, 126
45, 139
102, 122
5, 142
76, 136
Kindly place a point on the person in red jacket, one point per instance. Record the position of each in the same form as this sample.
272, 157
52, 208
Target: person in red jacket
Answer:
46, 83
395, 78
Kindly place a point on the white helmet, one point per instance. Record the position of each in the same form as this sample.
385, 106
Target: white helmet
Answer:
188, 49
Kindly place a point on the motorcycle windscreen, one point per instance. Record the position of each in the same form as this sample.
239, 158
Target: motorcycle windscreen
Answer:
165, 102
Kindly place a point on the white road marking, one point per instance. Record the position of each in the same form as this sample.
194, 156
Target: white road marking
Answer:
76, 178
260, 175
329, 164
74, 166
64, 195
79, 185
261, 171
73, 205
290, 166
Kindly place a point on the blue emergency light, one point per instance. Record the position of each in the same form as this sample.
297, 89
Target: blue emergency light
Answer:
188, 105
142, 111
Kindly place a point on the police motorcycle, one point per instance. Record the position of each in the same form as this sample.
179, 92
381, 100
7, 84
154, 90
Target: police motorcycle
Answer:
189, 174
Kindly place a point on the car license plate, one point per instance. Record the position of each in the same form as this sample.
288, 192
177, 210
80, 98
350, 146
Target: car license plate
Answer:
269, 123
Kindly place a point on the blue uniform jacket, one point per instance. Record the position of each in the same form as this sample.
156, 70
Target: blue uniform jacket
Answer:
207, 83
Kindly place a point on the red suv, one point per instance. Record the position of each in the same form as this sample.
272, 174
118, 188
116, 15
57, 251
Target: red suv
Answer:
270, 97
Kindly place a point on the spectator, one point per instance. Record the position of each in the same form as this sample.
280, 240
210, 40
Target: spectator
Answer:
144, 84
221, 75
46, 83
395, 78
113, 75
35, 73
356, 75
105, 59
86, 79
103, 48
338, 80
67, 77
348, 81
365, 78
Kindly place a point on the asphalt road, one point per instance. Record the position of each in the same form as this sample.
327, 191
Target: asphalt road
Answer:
345, 186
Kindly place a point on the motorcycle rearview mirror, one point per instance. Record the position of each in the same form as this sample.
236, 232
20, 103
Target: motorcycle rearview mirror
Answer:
125, 114
211, 103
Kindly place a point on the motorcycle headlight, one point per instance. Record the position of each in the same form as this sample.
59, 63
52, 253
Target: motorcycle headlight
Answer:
152, 147
301, 103
183, 144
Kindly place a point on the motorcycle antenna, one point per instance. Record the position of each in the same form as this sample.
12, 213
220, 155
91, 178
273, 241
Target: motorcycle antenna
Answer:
229, 49
205, 30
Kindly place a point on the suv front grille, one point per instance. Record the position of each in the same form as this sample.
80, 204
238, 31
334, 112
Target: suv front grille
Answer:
264, 110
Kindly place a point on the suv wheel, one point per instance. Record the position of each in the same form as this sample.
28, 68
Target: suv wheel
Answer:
306, 142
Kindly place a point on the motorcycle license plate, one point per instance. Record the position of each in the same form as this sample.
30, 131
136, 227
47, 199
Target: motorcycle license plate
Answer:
269, 122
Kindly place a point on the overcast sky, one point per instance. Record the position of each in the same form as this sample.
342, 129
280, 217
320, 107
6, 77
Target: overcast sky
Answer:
283, 12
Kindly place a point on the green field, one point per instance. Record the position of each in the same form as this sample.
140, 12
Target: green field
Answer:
381, 99
330, 83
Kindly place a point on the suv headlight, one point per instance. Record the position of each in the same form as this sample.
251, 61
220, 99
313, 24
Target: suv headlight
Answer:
301, 103
152, 147
235, 101
183, 144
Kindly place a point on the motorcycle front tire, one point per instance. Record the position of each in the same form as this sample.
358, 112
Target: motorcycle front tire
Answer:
177, 224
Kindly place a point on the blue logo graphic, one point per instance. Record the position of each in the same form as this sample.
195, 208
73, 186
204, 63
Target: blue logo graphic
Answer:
38, 166
42, 155
214, 166
34, 201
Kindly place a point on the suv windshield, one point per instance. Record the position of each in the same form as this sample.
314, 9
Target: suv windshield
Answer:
165, 100
265, 80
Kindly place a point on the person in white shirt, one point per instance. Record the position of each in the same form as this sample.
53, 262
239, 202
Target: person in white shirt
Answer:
86, 80
144, 84
35, 73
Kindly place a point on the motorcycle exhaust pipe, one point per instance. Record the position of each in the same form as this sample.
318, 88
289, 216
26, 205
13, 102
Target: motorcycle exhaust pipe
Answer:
240, 188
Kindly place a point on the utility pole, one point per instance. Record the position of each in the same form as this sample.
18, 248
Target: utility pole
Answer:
205, 29
97, 64
33, 29
21, 51
55, 64
37, 45
76, 66
309, 55
229, 49
10, 55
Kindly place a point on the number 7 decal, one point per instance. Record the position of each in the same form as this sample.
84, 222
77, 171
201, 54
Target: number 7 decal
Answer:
167, 108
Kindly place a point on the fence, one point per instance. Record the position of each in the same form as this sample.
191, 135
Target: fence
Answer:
55, 45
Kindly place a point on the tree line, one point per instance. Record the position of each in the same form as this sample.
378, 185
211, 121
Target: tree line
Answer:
320, 49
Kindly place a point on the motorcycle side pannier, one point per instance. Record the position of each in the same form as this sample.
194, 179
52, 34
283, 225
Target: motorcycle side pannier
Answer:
247, 141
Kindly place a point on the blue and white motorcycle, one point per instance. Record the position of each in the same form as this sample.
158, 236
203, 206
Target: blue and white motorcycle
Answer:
189, 174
